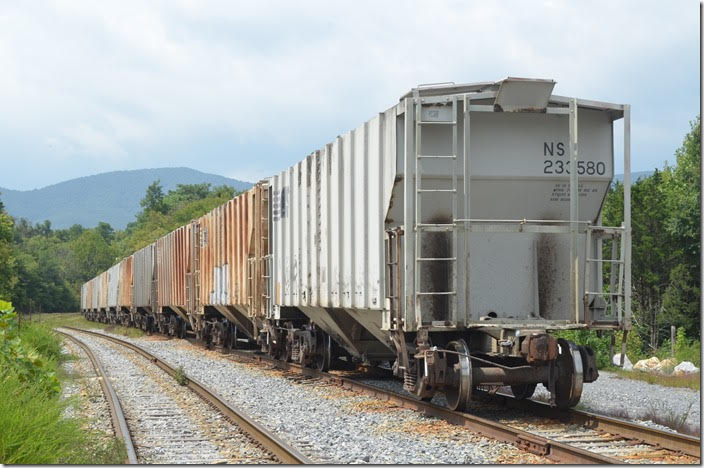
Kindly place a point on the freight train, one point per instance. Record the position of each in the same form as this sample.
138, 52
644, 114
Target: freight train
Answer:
448, 236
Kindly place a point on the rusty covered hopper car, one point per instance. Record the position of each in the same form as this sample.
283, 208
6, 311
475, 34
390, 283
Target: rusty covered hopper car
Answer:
174, 269
124, 298
230, 254
124, 292
442, 233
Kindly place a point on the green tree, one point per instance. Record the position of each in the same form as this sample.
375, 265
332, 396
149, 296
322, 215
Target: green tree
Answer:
106, 231
186, 193
154, 198
8, 270
666, 225
682, 184
91, 255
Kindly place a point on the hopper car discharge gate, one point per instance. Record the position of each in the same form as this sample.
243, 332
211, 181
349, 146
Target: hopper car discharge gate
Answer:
522, 355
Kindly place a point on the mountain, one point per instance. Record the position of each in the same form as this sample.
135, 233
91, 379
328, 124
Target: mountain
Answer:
112, 197
634, 176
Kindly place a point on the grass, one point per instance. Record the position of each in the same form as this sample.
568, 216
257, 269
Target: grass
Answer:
34, 431
33, 426
679, 381
75, 319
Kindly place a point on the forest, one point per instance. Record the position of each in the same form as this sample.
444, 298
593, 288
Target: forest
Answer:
42, 269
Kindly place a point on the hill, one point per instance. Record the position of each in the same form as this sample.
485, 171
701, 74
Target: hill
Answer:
634, 176
112, 197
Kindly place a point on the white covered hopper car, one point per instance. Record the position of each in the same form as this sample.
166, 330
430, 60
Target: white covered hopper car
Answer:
441, 235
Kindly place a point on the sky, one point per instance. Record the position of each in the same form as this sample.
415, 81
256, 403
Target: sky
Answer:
246, 89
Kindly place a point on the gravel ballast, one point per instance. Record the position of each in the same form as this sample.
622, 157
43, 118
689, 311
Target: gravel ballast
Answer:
330, 424
168, 423
82, 384
635, 399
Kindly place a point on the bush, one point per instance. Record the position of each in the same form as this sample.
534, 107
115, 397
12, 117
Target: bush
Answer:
24, 362
42, 339
687, 349
33, 429
600, 345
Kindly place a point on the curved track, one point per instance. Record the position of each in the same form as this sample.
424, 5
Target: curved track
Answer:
270, 442
119, 423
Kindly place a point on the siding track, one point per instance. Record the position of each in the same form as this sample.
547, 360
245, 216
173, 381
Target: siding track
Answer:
162, 413
119, 423
573, 436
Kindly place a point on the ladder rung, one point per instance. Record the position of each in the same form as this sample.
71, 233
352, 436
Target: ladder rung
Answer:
436, 122
436, 190
603, 260
591, 293
441, 293
436, 259
437, 156
436, 228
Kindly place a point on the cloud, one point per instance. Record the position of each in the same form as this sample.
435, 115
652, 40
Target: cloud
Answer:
244, 87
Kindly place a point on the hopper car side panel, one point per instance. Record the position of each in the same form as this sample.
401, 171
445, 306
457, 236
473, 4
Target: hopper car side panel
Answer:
143, 267
173, 267
125, 284
232, 257
103, 291
113, 282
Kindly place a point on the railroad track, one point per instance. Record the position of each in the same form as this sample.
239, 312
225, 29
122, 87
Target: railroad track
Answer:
117, 416
573, 436
261, 437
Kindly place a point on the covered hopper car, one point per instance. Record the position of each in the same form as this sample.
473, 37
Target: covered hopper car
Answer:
441, 236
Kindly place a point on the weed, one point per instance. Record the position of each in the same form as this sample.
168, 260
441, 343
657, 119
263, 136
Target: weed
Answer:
621, 413
668, 417
180, 376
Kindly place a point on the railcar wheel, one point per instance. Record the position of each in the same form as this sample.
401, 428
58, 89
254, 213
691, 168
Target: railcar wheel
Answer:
286, 349
568, 389
323, 356
524, 391
173, 326
458, 397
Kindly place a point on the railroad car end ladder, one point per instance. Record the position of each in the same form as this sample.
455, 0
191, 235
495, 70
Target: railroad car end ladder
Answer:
422, 120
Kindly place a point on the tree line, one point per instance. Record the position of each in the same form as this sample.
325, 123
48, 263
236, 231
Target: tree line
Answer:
42, 269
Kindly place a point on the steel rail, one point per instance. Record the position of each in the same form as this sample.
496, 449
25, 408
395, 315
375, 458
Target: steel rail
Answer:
116, 414
667, 440
285, 453
558, 451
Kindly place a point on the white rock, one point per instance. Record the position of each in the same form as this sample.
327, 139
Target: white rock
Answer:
685, 367
616, 361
